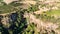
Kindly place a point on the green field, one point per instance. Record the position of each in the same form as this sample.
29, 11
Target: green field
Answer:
52, 12
6, 9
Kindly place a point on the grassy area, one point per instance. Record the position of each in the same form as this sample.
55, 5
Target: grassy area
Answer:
53, 12
6, 9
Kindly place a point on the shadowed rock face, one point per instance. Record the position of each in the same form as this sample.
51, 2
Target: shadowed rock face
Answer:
13, 17
5, 19
1, 18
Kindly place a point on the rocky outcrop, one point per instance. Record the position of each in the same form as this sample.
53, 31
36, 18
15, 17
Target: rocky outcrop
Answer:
6, 19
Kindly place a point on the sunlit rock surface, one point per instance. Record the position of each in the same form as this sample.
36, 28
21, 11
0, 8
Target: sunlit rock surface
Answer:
9, 1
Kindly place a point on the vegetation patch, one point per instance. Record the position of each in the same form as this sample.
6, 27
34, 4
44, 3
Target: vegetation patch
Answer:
6, 9
52, 12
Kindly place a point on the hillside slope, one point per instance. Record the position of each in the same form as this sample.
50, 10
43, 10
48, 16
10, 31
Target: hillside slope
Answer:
30, 17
